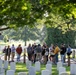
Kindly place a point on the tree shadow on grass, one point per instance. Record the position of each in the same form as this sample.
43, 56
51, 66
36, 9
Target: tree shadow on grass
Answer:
54, 70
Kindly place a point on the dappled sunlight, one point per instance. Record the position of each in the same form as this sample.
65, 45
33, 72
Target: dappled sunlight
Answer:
54, 70
38, 73
68, 72
38, 23
21, 67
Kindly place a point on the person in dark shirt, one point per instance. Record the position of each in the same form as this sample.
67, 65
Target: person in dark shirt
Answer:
43, 53
7, 53
39, 49
63, 51
4, 51
46, 53
29, 52
43, 49
35, 52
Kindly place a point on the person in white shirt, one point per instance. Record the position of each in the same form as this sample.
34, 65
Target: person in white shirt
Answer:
13, 52
51, 52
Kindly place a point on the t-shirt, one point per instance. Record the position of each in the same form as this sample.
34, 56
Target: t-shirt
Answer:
12, 49
57, 49
68, 50
19, 50
63, 50
39, 49
51, 49
29, 50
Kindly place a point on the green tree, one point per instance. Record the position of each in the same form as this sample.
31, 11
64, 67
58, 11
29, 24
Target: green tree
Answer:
26, 33
55, 35
5, 38
57, 14
18, 13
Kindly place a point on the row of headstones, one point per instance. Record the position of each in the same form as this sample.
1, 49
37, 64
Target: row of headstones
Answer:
60, 68
47, 71
44, 72
4, 66
33, 69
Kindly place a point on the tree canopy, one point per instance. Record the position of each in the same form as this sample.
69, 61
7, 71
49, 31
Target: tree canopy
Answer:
18, 13
25, 34
58, 16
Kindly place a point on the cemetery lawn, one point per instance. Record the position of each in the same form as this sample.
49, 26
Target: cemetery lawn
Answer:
21, 67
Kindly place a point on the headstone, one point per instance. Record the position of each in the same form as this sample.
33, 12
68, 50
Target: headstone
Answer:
37, 66
13, 66
73, 54
73, 69
5, 64
49, 67
64, 73
32, 70
65, 64
49, 62
27, 61
28, 64
2, 74
1, 70
1, 66
1, 63
59, 64
22, 73
45, 72
10, 72
62, 69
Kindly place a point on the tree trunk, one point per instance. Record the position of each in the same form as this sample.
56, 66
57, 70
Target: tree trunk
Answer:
24, 53
69, 60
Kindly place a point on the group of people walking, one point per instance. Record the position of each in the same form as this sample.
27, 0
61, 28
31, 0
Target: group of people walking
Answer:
38, 53
43, 53
10, 52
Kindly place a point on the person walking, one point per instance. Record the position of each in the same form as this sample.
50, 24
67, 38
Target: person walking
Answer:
7, 53
39, 50
56, 51
4, 51
51, 52
46, 54
19, 51
35, 52
69, 51
12, 52
29, 52
62, 53
43, 53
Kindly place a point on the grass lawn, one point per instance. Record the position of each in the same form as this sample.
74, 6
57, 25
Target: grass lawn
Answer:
21, 67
